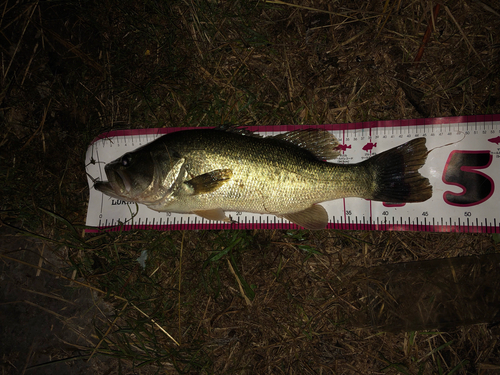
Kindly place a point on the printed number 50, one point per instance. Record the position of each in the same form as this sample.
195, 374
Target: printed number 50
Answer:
461, 170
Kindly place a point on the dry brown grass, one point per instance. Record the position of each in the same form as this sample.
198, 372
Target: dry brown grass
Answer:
73, 70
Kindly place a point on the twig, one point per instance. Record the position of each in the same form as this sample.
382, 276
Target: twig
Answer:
428, 32
242, 291
279, 2
156, 324
40, 127
20, 39
29, 64
107, 332
463, 35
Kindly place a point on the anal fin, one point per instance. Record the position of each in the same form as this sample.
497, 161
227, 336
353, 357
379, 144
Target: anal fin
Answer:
314, 217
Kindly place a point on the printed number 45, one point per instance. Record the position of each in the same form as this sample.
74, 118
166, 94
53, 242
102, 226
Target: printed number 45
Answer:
461, 170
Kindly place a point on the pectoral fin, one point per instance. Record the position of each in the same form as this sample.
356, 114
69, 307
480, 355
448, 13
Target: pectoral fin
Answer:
211, 181
314, 217
215, 214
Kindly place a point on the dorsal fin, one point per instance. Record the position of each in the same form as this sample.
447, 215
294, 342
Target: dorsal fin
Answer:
232, 128
319, 142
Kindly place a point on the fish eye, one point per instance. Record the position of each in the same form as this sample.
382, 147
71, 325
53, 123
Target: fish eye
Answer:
126, 160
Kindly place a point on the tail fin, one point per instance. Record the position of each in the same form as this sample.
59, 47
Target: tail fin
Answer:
396, 173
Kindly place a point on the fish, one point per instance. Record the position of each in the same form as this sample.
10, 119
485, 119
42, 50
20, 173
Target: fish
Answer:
494, 140
369, 146
210, 171
344, 147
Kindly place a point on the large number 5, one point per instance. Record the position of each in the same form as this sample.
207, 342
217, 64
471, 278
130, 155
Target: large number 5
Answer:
461, 170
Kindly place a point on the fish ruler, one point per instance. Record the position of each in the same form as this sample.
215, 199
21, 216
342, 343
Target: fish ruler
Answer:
463, 168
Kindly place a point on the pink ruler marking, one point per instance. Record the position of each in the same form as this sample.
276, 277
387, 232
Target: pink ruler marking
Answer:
340, 226
334, 127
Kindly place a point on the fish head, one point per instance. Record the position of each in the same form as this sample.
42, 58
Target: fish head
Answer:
143, 176
129, 177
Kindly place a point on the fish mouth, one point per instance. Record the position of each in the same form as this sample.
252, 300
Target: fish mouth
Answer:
118, 184
106, 187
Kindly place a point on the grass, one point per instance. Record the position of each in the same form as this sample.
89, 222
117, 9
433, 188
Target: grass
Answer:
230, 302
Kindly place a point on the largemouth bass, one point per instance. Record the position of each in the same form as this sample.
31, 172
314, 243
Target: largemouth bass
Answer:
210, 171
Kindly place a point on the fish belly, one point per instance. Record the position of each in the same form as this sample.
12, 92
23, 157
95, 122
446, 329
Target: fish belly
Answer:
270, 190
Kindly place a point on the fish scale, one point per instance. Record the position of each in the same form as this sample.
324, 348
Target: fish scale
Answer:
466, 140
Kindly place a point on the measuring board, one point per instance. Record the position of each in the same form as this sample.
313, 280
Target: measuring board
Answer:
463, 168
